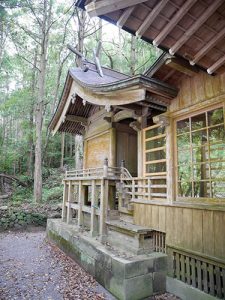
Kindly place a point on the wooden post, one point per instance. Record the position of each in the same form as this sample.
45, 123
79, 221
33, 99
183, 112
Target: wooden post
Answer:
65, 198
80, 202
122, 168
133, 190
105, 168
69, 209
94, 219
140, 152
103, 207
149, 190
169, 162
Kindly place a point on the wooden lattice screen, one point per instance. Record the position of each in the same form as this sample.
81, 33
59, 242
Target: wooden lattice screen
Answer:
204, 274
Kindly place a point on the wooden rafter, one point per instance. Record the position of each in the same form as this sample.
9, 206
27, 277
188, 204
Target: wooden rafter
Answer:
173, 22
77, 119
125, 15
151, 17
181, 66
208, 46
216, 65
102, 7
208, 12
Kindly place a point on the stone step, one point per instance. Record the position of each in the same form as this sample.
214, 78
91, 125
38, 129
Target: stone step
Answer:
130, 237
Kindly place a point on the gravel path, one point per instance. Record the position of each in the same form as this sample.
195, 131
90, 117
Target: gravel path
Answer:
33, 269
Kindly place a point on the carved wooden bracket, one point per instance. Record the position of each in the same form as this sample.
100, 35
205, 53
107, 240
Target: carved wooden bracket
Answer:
135, 125
162, 120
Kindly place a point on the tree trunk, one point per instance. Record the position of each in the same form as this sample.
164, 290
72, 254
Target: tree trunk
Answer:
62, 149
30, 161
40, 100
133, 55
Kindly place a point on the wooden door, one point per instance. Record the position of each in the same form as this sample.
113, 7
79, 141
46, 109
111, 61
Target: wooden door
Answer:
126, 148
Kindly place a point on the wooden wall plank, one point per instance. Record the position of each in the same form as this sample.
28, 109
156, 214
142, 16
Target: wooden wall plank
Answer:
187, 228
197, 230
162, 218
178, 226
208, 236
169, 225
155, 217
219, 236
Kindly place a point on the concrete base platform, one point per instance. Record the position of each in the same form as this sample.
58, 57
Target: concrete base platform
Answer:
132, 277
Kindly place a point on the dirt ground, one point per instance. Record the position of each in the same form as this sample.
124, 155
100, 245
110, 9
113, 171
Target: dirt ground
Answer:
33, 269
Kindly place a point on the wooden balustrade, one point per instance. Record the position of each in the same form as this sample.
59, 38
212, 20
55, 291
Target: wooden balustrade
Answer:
204, 273
146, 189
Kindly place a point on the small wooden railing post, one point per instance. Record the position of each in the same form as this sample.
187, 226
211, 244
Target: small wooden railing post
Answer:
133, 190
70, 198
65, 199
122, 168
105, 168
103, 207
80, 202
149, 190
94, 220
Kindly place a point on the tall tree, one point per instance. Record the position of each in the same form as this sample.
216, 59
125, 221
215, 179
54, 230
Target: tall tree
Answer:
44, 29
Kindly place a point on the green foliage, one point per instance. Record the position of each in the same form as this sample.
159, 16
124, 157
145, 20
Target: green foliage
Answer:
19, 62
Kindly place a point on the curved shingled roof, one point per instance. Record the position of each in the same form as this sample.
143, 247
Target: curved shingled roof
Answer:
85, 90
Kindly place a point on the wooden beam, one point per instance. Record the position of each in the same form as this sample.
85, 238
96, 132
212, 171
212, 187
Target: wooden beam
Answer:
77, 119
181, 66
187, 34
208, 46
173, 22
216, 65
124, 17
168, 75
151, 17
103, 7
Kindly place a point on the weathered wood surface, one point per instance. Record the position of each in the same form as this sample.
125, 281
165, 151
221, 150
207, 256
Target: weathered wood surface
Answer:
198, 230
199, 91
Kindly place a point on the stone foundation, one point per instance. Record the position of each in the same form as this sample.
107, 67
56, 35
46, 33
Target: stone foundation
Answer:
130, 277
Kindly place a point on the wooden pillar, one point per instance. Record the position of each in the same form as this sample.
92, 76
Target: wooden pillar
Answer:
170, 162
140, 152
94, 218
81, 203
112, 154
103, 208
70, 199
105, 168
65, 199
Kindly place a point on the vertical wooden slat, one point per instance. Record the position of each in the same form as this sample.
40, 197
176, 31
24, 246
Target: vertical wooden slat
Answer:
223, 281
199, 275
182, 267
218, 282
205, 277
211, 281
188, 277
177, 259
193, 272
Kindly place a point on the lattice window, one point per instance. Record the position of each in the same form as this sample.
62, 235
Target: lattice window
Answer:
206, 275
155, 150
201, 155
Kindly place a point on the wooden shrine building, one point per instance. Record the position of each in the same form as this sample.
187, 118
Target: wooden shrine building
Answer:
154, 144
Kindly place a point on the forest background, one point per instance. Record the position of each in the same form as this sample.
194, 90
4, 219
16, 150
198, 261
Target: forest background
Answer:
34, 60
